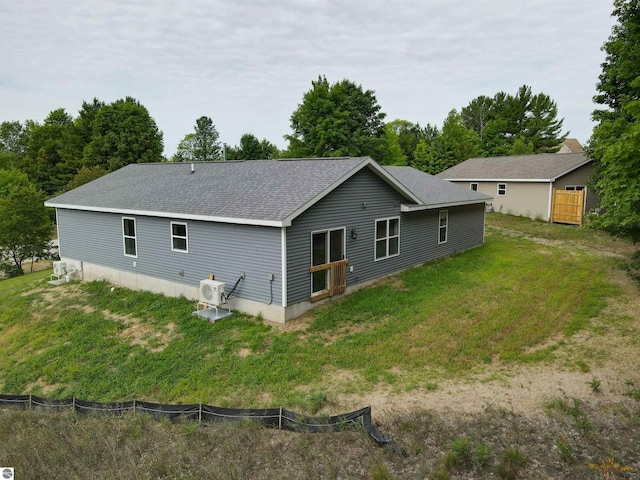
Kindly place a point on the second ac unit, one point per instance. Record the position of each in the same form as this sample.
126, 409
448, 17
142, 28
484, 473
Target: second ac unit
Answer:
211, 292
59, 268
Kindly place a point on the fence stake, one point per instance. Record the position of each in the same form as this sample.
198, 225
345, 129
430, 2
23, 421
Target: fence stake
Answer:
134, 405
200, 413
29, 401
280, 420
73, 402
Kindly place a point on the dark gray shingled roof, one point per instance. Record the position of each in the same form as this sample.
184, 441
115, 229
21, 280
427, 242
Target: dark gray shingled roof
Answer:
432, 191
543, 167
255, 191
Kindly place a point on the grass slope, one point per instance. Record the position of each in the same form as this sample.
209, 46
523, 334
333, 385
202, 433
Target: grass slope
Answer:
511, 299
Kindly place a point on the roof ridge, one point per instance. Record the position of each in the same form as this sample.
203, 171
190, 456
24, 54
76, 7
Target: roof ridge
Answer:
314, 158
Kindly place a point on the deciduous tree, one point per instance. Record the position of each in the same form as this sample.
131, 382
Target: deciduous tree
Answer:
85, 175
184, 152
14, 138
340, 119
441, 150
123, 132
25, 228
251, 148
54, 152
615, 142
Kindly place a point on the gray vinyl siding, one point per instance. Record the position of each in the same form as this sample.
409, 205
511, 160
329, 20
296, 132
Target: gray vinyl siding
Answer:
580, 176
419, 240
344, 208
225, 250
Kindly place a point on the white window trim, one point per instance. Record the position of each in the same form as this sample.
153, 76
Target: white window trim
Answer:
375, 239
445, 227
186, 237
505, 190
328, 247
134, 236
471, 186
575, 188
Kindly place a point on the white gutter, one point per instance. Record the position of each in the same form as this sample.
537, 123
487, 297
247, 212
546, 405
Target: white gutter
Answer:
501, 180
184, 216
416, 208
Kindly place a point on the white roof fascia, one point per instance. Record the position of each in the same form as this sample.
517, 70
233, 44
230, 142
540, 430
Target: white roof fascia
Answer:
553, 179
537, 180
368, 162
184, 216
416, 208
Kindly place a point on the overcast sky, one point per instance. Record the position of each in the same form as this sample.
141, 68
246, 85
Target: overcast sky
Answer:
247, 63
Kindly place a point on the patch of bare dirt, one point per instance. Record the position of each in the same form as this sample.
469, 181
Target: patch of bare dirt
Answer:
40, 384
139, 332
54, 294
31, 292
615, 247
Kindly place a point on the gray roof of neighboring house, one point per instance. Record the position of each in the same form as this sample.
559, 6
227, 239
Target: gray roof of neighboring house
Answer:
432, 191
540, 167
260, 192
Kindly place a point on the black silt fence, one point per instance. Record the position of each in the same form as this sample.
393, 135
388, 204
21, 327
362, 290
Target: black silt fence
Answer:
279, 418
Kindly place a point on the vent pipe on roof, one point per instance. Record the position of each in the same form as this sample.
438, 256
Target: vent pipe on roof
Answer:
224, 152
193, 169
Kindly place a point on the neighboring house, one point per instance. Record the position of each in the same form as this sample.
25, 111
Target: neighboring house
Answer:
524, 184
295, 231
571, 145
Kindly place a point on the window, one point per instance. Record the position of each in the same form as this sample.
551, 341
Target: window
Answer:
502, 189
443, 226
129, 236
387, 238
574, 187
473, 186
179, 237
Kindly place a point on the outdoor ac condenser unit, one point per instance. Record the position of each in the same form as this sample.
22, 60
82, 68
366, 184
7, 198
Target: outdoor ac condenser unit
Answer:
59, 268
211, 292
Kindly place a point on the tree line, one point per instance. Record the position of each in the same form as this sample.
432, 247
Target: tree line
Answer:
339, 119
334, 119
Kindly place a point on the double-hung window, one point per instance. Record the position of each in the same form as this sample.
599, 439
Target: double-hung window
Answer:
387, 238
179, 237
443, 226
129, 236
502, 189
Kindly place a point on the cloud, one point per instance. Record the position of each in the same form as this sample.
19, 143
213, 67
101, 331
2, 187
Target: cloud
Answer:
247, 63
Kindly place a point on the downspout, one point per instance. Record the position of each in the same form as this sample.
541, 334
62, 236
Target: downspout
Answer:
550, 201
58, 232
283, 253
484, 221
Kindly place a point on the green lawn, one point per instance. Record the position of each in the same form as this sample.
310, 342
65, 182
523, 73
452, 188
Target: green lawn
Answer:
505, 300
